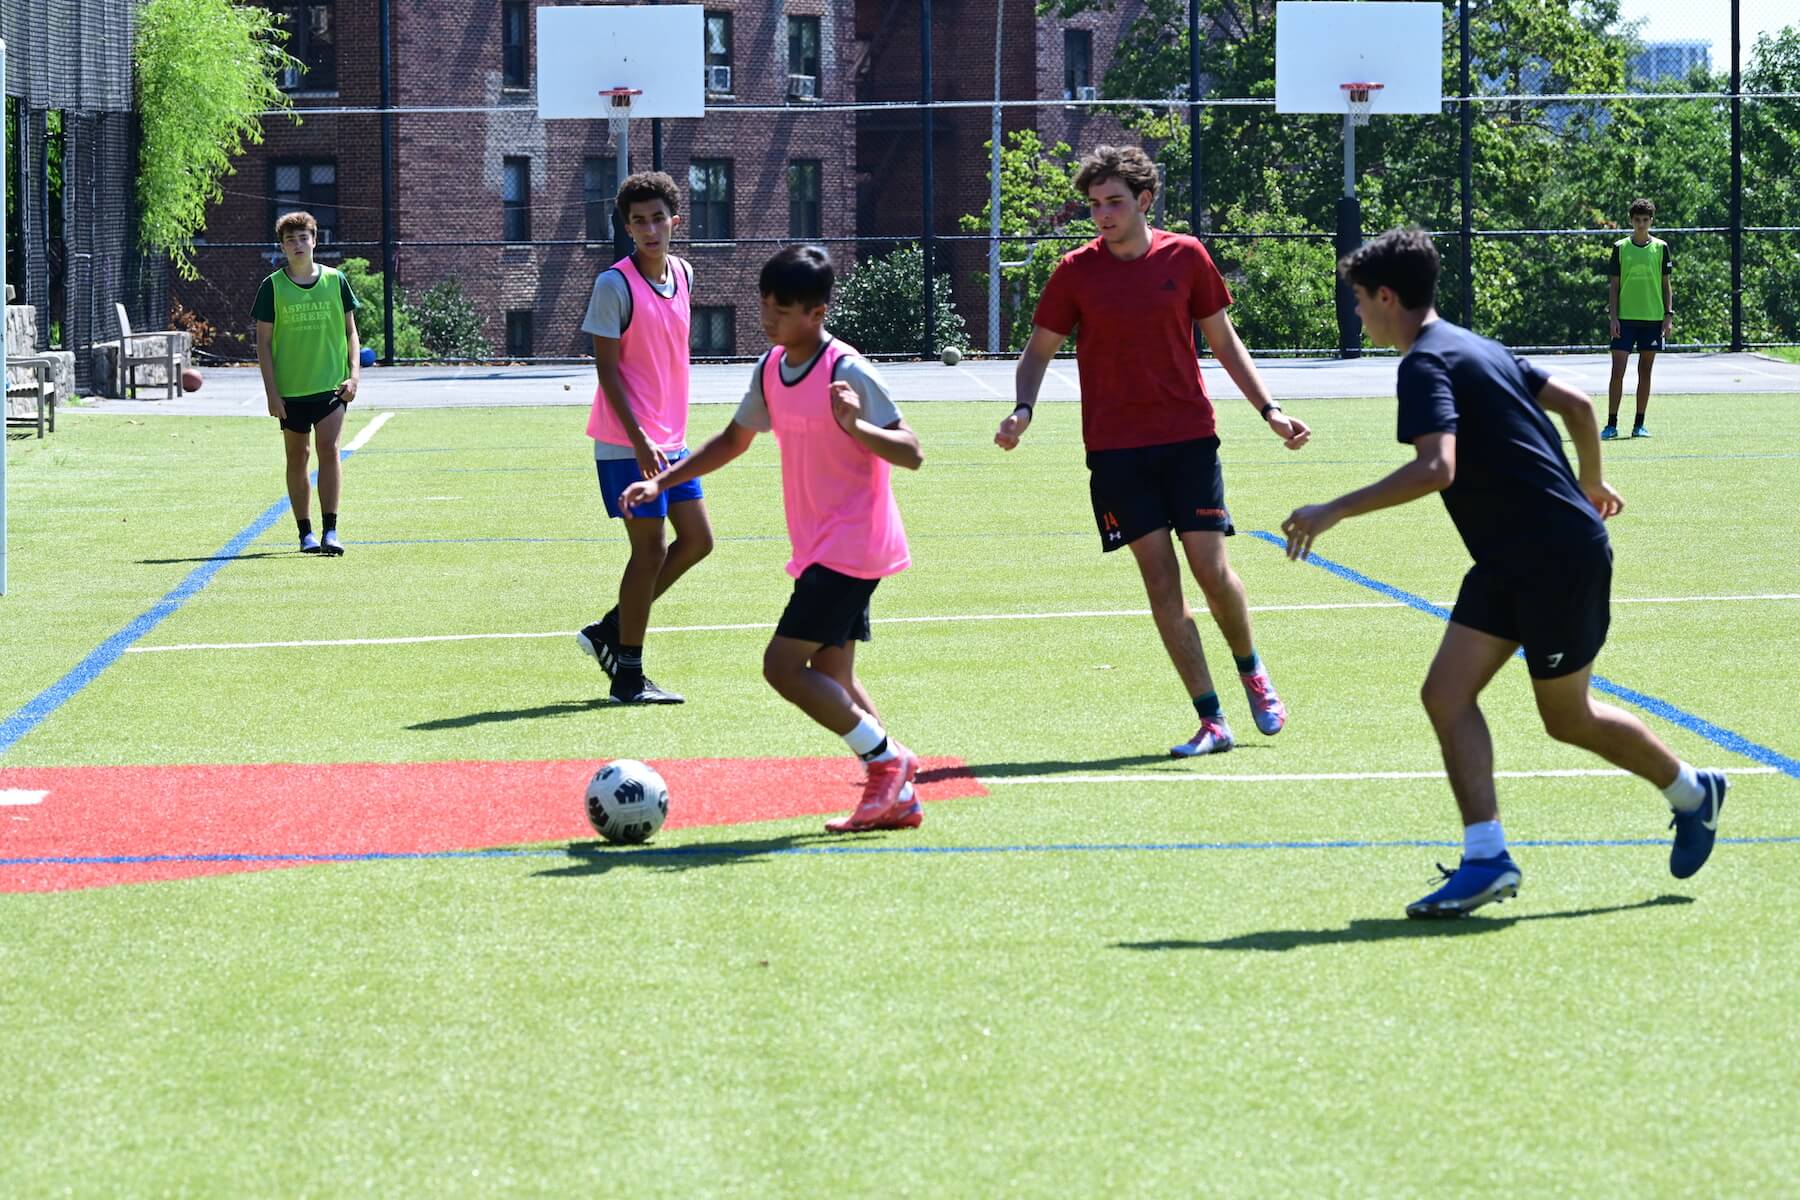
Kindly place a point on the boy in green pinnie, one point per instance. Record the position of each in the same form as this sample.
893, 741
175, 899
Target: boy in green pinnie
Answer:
1640, 309
307, 347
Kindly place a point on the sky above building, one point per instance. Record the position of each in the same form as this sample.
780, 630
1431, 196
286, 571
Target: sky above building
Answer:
1708, 21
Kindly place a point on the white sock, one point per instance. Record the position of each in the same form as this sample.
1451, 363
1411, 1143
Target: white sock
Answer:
1483, 839
863, 740
1685, 794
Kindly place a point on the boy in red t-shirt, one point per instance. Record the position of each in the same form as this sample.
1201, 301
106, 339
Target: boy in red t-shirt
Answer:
1132, 297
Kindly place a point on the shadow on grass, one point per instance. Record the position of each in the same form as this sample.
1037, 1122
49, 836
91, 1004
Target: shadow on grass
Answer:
566, 708
1386, 929
1056, 766
597, 858
168, 562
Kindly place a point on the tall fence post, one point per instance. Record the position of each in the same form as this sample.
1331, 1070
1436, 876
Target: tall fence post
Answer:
1737, 183
1468, 170
22, 203
390, 257
927, 238
1195, 199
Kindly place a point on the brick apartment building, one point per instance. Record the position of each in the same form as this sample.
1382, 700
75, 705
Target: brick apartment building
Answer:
517, 210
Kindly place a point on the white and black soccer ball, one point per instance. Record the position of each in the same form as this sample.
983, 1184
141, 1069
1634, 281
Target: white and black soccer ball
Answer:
627, 801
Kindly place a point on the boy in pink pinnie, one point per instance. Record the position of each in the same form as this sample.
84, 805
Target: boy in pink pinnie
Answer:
840, 436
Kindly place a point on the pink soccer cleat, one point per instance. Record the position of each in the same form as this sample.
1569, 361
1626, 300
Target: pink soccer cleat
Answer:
1214, 738
1266, 708
888, 801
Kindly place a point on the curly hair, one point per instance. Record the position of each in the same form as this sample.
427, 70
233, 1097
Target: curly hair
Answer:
648, 185
1128, 164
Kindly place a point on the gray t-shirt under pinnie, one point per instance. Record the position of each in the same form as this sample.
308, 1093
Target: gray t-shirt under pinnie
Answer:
609, 314
877, 402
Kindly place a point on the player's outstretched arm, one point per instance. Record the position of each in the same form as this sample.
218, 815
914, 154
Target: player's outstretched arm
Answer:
1228, 348
1432, 469
1577, 412
1040, 351
719, 449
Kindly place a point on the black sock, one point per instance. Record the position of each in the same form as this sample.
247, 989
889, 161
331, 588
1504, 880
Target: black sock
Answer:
1246, 665
304, 524
631, 659
330, 522
1208, 705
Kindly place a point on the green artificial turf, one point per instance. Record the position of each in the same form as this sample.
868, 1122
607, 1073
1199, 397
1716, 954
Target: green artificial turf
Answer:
1100, 986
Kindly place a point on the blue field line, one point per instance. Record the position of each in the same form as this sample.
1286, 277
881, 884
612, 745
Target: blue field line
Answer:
728, 850
36, 710
1737, 743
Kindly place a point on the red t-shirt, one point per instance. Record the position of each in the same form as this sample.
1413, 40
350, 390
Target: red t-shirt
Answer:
1133, 324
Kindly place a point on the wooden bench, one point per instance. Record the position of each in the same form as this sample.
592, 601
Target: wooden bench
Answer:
32, 401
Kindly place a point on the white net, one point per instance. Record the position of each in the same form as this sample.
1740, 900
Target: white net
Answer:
1360, 97
618, 114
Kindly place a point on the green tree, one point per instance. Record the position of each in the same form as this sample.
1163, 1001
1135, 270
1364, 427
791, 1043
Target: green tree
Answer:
1038, 201
206, 69
880, 309
448, 321
1772, 190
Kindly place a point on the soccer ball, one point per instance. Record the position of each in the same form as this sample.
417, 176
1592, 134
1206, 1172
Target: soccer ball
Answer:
627, 801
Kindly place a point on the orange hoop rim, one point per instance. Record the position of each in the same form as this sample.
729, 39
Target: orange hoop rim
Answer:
621, 96
1360, 91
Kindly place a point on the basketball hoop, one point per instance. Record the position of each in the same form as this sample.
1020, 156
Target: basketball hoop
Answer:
1360, 97
618, 116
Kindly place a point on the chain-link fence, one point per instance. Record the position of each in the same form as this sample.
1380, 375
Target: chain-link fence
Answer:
72, 244
492, 224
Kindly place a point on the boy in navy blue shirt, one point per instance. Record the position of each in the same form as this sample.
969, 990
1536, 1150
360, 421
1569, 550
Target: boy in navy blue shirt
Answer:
1476, 417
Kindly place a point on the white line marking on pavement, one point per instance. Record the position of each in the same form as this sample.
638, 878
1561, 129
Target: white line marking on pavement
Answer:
1325, 776
368, 431
975, 378
933, 620
19, 797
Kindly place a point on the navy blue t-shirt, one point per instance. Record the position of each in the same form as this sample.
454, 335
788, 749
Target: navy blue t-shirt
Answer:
1514, 495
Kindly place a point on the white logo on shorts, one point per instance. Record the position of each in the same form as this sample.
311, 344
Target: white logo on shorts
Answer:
1553, 660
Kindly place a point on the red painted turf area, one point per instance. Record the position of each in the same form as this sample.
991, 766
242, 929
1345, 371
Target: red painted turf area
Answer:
376, 808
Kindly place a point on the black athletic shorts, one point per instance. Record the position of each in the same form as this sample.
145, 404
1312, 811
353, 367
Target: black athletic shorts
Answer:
1146, 488
303, 412
1639, 336
1557, 607
827, 607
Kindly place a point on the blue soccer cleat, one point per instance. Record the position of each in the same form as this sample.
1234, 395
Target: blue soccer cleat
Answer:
1639, 431
1695, 831
1475, 882
1609, 433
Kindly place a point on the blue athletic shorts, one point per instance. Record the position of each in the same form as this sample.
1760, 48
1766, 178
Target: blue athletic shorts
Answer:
1638, 336
617, 474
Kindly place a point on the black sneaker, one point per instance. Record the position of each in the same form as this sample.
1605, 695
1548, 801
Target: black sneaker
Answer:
309, 543
638, 689
331, 547
600, 642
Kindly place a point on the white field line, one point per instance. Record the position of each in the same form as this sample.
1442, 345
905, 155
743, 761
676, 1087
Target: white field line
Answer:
947, 619
1324, 776
368, 431
19, 797
975, 378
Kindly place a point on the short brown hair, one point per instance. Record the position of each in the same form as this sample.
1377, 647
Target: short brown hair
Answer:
1405, 260
1128, 164
648, 185
295, 220
1643, 205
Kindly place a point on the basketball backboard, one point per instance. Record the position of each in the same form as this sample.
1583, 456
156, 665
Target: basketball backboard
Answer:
655, 47
1321, 44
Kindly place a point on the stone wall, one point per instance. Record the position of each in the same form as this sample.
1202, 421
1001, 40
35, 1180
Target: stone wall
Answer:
22, 340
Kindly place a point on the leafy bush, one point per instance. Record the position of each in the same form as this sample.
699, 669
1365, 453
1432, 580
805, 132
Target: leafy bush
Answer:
880, 308
449, 322
371, 292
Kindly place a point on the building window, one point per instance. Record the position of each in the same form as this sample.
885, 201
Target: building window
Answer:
518, 333
515, 198
718, 52
312, 38
514, 34
599, 191
709, 195
713, 331
803, 56
309, 185
803, 198
1078, 62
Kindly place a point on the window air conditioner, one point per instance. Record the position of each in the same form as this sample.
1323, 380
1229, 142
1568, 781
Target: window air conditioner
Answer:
803, 87
718, 79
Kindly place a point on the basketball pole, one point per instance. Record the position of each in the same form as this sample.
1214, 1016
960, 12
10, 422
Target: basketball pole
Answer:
1349, 237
